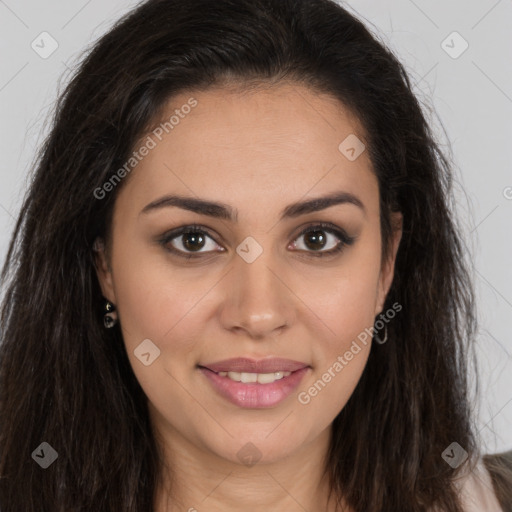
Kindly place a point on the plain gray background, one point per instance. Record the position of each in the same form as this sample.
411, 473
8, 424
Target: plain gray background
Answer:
470, 92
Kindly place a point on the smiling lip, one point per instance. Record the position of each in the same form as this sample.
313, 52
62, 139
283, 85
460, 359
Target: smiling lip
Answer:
255, 395
244, 364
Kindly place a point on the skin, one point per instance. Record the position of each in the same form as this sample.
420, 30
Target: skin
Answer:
258, 152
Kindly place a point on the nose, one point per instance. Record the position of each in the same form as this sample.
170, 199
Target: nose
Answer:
258, 304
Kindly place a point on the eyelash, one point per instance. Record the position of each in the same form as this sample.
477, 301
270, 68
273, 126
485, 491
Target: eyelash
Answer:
345, 240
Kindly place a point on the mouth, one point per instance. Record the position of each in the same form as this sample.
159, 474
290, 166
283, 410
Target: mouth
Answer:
263, 366
274, 381
249, 378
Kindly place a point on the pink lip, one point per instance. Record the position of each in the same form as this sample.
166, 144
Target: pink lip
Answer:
254, 395
244, 364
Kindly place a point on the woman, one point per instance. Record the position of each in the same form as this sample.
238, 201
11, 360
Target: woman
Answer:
235, 282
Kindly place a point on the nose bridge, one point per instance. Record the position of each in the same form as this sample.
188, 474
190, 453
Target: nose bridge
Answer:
258, 302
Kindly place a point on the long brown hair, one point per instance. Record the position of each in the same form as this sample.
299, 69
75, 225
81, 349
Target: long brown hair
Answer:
499, 467
67, 381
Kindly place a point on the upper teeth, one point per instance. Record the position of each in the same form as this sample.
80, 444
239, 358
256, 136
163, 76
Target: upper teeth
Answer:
261, 378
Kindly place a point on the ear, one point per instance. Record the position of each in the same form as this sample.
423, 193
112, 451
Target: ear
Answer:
388, 266
104, 270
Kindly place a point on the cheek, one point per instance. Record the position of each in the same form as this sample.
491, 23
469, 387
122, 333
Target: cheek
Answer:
160, 305
165, 311
340, 352
330, 387
347, 307
153, 302
343, 341
344, 299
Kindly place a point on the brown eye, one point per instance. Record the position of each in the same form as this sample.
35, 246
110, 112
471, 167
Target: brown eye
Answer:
322, 240
315, 240
187, 240
319, 240
193, 241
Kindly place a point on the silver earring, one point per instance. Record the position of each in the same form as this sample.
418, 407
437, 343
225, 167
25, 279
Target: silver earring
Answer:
110, 318
379, 340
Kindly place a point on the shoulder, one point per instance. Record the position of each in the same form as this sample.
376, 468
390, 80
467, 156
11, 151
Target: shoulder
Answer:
476, 489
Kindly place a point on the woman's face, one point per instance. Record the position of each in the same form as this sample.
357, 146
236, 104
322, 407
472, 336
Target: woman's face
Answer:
254, 287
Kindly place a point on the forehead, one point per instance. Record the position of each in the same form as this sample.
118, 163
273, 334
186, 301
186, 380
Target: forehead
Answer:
283, 117
275, 142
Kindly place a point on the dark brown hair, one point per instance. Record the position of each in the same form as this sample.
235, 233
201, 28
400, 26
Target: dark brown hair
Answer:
67, 381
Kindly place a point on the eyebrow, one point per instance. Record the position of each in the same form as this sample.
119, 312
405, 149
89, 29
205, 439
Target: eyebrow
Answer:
226, 212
